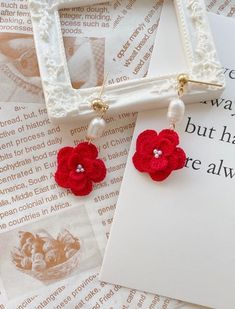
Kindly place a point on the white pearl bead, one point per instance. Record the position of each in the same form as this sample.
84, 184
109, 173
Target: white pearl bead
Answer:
176, 111
96, 128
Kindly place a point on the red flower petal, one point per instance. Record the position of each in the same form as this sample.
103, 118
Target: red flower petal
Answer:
62, 159
86, 150
64, 153
77, 180
171, 135
146, 141
83, 191
74, 160
145, 135
63, 166
79, 183
161, 175
96, 170
166, 146
181, 158
141, 163
158, 164
173, 162
62, 179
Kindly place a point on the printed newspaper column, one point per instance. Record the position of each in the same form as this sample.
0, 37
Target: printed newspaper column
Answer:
19, 73
87, 292
28, 148
224, 7
29, 144
85, 30
130, 58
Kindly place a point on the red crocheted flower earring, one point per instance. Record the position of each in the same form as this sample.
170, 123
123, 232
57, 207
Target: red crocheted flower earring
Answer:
79, 167
158, 154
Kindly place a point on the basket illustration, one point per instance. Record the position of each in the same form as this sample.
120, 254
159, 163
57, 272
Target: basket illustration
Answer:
45, 258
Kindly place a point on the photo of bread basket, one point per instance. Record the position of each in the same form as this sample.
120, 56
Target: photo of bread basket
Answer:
45, 258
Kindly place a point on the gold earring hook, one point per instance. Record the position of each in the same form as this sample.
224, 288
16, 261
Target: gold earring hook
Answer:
103, 85
98, 104
183, 80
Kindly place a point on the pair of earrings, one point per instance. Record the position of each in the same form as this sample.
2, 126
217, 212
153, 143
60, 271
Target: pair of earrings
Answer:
157, 154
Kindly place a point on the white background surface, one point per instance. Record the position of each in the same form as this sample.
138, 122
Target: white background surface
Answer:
177, 238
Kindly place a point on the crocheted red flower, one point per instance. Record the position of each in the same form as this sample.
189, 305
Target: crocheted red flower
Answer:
158, 154
79, 167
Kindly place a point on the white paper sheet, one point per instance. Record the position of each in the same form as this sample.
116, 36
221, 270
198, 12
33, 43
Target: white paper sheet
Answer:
177, 238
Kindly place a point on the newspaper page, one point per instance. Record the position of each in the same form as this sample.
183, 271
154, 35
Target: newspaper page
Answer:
52, 242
